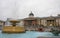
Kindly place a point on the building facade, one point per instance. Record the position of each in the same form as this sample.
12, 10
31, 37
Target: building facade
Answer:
32, 22
45, 21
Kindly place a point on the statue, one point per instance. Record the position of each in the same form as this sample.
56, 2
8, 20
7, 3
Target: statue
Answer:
55, 32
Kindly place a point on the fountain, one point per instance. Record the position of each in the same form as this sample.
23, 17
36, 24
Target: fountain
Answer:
14, 28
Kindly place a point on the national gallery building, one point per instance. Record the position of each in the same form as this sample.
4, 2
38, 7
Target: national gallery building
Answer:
45, 21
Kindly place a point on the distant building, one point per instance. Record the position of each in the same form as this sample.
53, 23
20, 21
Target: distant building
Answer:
2, 23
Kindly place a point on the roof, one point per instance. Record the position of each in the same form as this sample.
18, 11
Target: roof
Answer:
29, 18
33, 18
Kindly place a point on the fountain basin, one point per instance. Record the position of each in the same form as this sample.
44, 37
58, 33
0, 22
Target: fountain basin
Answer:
13, 29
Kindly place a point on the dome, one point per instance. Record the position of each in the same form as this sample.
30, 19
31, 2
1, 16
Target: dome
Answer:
31, 14
58, 14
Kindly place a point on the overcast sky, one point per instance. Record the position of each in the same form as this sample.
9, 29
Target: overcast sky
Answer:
21, 8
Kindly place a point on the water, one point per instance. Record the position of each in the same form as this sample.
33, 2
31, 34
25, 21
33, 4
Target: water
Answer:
28, 34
